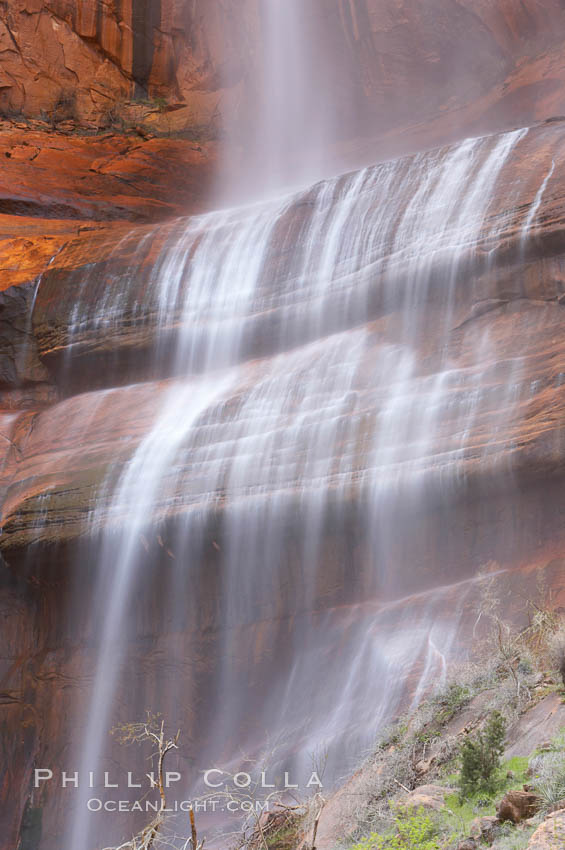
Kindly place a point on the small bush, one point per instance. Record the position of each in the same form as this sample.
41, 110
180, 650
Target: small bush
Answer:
480, 757
451, 700
525, 666
64, 108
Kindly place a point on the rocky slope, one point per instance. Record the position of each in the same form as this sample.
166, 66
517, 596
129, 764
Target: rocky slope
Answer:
416, 769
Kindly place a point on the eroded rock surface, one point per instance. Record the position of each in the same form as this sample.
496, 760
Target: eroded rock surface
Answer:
82, 61
539, 725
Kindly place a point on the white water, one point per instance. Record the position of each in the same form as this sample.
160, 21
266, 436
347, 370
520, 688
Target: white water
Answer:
336, 418
534, 209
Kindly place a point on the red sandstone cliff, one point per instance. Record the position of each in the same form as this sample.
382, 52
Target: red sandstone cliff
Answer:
84, 61
436, 68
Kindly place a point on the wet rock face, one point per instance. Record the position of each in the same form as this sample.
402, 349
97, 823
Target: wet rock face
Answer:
19, 363
516, 301
48, 665
508, 514
404, 76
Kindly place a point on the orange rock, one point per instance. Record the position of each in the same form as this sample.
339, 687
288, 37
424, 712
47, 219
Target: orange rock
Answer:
517, 806
101, 177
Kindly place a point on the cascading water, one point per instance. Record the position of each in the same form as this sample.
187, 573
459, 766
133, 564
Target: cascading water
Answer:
298, 413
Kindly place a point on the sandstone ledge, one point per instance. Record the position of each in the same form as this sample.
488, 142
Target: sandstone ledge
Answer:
54, 175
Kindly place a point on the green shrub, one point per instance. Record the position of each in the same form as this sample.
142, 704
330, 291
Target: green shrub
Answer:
412, 831
480, 757
160, 103
451, 701
525, 666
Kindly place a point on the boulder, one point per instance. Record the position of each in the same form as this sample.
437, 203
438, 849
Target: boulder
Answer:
485, 829
431, 797
517, 806
551, 834
467, 844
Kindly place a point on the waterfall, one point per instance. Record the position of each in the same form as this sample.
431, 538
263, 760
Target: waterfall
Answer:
298, 411
293, 125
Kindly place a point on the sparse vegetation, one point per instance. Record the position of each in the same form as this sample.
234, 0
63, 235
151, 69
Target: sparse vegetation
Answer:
410, 831
514, 839
513, 671
461, 813
160, 103
64, 108
157, 833
454, 739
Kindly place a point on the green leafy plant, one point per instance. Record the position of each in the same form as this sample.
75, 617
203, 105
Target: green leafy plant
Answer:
480, 757
160, 103
413, 830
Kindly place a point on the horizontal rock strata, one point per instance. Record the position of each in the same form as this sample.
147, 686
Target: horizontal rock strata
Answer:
517, 303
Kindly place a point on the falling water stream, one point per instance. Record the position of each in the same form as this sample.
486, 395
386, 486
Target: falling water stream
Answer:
298, 409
